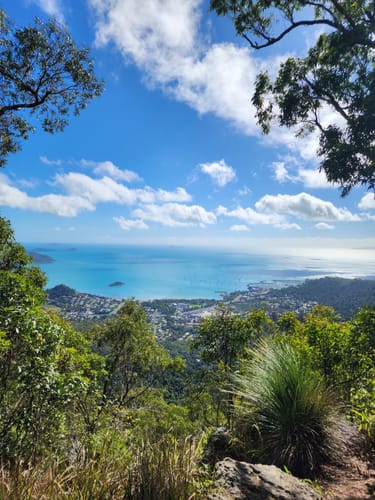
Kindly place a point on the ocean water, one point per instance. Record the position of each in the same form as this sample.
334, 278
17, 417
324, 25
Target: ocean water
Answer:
173, 272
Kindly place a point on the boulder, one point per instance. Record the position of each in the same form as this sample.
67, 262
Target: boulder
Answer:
236, 480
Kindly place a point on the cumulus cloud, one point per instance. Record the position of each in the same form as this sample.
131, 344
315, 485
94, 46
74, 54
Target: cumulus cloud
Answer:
128, 224
108, 190
313, 178
164, 42
176, 215
250, 216
280, 171
323, 226
166, 45
63, 206
310, 177
219, 171
107, 167
305, 206
367, 202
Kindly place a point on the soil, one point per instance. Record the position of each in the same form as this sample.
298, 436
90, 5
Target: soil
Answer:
354, 477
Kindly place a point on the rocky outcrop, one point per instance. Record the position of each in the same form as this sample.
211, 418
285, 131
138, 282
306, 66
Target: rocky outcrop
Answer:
242, 481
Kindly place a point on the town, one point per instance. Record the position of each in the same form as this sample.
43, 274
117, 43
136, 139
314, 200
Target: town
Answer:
173, 318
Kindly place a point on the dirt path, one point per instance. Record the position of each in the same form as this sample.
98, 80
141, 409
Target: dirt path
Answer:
353, 479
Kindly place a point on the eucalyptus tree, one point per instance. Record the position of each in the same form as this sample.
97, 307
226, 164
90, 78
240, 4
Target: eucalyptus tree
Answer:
44, 77
338, 71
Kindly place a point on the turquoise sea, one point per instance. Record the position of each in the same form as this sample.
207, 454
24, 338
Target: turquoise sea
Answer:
174, 272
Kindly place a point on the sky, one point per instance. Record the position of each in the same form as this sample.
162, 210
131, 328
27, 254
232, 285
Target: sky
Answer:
171, 153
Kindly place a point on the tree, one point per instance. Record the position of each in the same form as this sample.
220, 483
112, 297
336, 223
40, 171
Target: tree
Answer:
338, 72
44, 74
45, 367
134, 362
223, 341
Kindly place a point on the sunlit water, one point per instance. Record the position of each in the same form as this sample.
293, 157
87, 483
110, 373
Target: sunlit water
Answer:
174, 272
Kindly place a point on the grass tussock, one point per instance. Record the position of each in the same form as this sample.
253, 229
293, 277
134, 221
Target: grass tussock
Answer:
159, 471
292, 418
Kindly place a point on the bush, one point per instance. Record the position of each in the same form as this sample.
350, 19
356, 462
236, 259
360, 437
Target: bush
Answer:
291, 416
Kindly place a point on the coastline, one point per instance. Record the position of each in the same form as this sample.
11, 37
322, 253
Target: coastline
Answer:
181, 273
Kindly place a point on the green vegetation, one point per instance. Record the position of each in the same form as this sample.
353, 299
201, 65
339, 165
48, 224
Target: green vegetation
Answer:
43, 74
110, 413
337, 73
290, 416
346, 296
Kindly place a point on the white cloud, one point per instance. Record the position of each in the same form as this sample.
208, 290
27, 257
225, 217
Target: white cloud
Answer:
127, 224
63, 206
367, 202
107, 167
280, 171
239, 228
164, 42
52, 8
324, 226
250, 216
108, 190
305, 206
176, 215
47, 161
313, 178
288, 225
310, 177
219, 171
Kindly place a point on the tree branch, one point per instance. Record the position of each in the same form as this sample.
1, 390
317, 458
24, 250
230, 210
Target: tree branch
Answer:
272, 40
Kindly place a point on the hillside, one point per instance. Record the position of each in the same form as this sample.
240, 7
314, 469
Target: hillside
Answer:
346, 296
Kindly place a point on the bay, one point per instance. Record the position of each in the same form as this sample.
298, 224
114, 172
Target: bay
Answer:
146, 272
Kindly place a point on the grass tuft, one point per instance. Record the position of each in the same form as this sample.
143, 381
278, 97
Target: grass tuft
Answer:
292, 416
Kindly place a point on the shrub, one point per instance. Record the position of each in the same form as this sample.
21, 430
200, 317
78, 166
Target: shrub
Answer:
291, 416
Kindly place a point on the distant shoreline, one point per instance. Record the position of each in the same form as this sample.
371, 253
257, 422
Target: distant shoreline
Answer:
40, 258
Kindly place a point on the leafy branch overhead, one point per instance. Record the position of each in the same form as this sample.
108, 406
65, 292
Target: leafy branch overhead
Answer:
337, 72
44, 74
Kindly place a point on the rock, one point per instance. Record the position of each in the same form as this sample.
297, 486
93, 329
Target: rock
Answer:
242, 481
218, 446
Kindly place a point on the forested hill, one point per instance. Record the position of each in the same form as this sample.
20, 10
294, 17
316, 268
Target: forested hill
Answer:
344, 295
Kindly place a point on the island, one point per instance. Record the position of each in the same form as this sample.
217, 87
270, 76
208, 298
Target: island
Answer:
39, 258
117, 283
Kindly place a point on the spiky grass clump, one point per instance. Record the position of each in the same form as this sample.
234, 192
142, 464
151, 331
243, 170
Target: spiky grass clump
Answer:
295, 416
165, 470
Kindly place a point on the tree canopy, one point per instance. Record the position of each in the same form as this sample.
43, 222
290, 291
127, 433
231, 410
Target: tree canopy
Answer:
43, 75
337, 72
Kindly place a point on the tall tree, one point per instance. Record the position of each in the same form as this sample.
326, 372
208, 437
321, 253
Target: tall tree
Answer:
43, 75
338, 72
223, 340
45, 367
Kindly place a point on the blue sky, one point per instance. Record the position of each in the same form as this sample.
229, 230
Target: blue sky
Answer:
171, 152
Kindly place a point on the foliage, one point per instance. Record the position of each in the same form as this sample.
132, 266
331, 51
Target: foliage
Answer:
291, 415
43, 73
346, 296
164, 470
43, 363
224, 337
93, 415
337, 72
223, 341
134, 362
